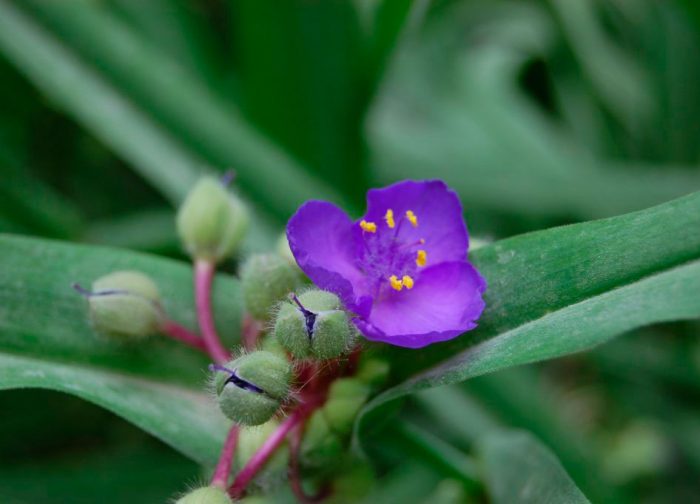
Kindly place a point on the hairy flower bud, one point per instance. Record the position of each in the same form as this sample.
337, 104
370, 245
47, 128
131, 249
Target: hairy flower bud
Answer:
329, 428
125, 305
321, 447
252, 387
314, 325
265, 280
206, 495
212, 221
345, 399
372, 371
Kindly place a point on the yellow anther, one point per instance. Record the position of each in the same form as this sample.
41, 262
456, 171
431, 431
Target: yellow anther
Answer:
422, 241
412, 217
421, 257
396, 284
407, 282
369, 227
389, 218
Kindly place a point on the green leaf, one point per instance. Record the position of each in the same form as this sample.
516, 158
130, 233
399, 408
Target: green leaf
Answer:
519, 469
46, 341
178, 99
565, 290
106, 112
117, 474
454, 108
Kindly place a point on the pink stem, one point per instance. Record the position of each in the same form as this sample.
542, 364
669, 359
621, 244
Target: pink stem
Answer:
203, 277
259, 458
181, 334
223, 468
250, 332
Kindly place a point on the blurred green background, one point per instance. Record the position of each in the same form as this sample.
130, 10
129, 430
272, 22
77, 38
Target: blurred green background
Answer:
539, 113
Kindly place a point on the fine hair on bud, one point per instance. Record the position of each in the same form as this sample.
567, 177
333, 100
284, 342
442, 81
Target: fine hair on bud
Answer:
251, 388
205, 495
314, 325
212, 221
266, 279
124, 305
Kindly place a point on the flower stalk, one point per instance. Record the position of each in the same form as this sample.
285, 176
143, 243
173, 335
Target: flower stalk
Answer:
183, 335
259, 458
203, 278
223, 467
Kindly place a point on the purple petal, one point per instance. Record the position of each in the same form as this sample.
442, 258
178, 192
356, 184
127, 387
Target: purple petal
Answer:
326, 247
445, 302
439, 213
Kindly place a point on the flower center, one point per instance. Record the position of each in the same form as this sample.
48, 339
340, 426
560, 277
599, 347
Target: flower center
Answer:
392, 255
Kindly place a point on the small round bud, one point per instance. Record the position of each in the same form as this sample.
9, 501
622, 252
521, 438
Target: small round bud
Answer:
212, 222
373, 371
265, 280
252, 387
345, 399
284, 251
206, 495
321, 447
314, 325
126, 305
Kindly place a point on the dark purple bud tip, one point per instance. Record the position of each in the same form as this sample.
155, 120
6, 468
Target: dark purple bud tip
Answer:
309, 316
81, 290
228, 177
236, 380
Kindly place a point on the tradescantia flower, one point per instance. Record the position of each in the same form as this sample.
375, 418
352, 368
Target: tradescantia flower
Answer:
402, 268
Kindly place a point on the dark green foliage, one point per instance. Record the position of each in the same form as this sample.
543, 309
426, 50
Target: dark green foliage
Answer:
537, 113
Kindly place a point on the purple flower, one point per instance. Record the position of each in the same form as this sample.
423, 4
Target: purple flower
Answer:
402, 268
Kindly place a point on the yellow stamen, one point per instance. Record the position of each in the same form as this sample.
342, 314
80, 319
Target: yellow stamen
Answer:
421, 258
422, 241
369, 227
407, 281
396, 284
412, 217
389, 218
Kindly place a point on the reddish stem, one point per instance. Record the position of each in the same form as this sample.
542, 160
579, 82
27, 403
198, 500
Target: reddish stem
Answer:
181, 334
203, 277
250, 331
295, 474
223, 468
259, 458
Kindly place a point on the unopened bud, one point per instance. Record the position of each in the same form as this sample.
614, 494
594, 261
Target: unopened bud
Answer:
212, 222
321, 447
345, 399
252, 387
372, 371
265, 280
125, 305
314, 325
206, 495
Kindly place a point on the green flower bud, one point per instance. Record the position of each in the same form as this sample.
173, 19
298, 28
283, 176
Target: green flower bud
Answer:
125, 305
345, 399
321, 447
249, 442
212, 222
284, 251
372, 371
252, 387
265, 280
314, 325
206, 495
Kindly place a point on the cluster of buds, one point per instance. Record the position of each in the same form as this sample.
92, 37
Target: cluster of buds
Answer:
294, 374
